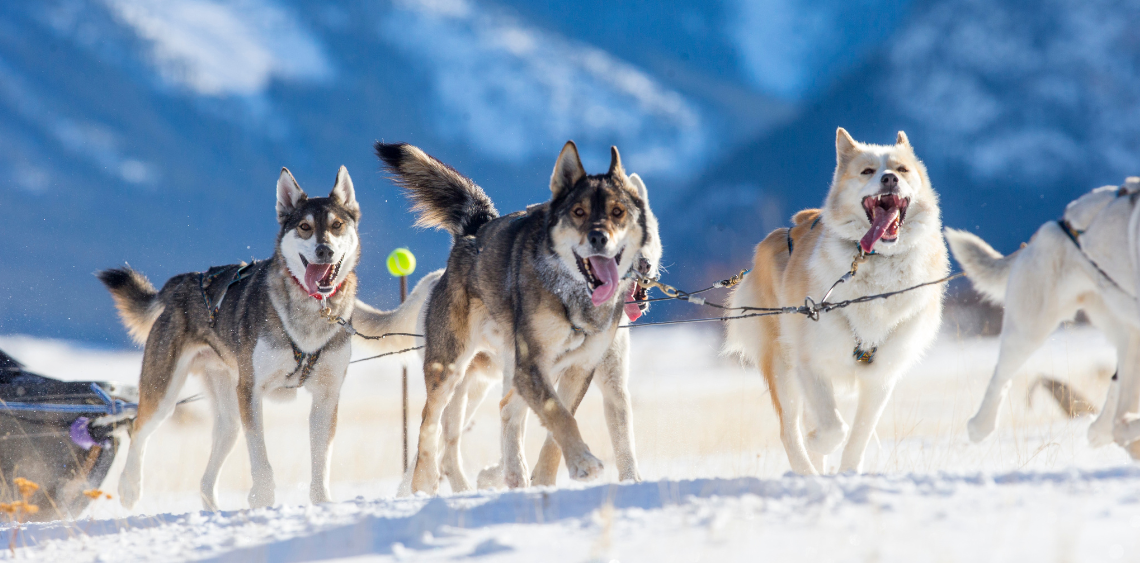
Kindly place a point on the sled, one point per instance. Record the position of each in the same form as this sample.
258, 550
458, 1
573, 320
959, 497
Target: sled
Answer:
63, 435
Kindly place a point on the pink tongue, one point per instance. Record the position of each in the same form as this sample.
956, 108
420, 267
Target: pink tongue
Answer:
606, 271
631, 309
880, 220
313, 274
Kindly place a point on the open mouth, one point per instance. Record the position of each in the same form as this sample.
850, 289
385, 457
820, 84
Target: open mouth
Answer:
601, 275
319, 278
886, 212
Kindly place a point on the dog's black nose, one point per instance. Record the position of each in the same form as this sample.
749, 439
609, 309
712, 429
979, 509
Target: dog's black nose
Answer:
598, 239
324, 253
890, 181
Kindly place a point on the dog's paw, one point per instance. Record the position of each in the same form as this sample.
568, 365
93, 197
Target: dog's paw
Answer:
261, 497
515, 476
425, 479
825, 440
979, 429
129, 490
584, 467
319, 495
1100, 433
1126, 430
491, 477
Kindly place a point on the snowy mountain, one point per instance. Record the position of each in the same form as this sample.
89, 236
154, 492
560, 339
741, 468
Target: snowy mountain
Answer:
151, 132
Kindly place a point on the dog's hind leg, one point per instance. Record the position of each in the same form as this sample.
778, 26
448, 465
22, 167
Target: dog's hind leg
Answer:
166, 362
469, 394
442, 376
788, 402
572, 387
227, 421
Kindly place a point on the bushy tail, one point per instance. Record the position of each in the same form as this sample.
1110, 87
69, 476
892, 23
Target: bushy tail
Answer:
135, 298
442, 197
987, 269
371, 322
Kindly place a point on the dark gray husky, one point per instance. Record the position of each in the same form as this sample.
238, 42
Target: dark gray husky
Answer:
537, 294
252, 331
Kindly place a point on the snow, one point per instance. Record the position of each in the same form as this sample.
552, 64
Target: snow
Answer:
716, 484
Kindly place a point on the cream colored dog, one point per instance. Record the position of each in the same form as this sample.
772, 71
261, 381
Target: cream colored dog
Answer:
880, 208
1086, 261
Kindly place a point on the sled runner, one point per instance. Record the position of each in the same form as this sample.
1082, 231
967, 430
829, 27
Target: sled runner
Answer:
63, 435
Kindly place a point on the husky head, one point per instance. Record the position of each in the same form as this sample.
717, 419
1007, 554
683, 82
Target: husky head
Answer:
880, 195
318, 238
598, 224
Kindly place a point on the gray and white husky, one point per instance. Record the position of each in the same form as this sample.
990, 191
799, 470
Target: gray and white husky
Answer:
537, 295
254, 331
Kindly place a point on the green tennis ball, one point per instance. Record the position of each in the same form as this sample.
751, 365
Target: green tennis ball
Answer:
401, 262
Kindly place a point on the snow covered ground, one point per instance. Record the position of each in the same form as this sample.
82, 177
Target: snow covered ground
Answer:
716, 486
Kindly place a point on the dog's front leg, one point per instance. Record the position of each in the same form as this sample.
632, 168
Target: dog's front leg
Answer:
262, 493
322, 429
1031, 314
873, 397
532, 384
1126, 428
613, 380
572, 386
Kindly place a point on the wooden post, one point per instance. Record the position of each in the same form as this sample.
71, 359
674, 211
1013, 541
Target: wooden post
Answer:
401, 264
403, 296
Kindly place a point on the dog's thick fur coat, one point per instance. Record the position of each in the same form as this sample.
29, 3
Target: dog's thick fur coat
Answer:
1048, 281
266, 314
804, 361
537, 295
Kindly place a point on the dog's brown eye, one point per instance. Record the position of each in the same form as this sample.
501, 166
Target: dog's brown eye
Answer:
868, 171
903, 169
337, 225
305, 227
579, 212
618, 212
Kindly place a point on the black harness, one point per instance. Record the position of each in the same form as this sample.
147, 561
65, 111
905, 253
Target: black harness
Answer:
206, 281
1074, 235
305, 361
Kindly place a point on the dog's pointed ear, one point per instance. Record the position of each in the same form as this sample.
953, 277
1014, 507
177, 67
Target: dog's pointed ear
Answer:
902, 140
844, 144
615, 163
567, 171
343, 192
639, 185
289, 194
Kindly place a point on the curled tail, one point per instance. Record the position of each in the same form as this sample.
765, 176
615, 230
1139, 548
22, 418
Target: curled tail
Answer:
442, 197
987, 269
135, 298
372, 322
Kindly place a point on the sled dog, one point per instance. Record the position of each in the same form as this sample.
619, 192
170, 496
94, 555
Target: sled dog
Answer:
254, 331
536, 295
611, 376
1084, 261
881, 212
